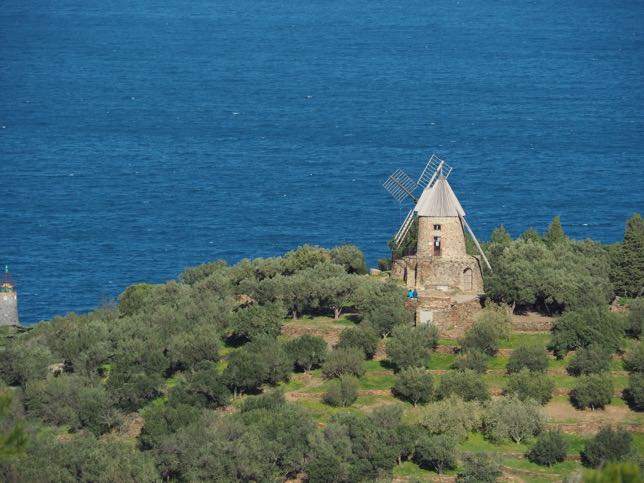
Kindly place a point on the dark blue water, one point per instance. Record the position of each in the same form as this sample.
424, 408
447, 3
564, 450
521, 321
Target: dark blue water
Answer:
138, 138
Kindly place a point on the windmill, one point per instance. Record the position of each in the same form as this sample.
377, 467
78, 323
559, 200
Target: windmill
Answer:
431, 196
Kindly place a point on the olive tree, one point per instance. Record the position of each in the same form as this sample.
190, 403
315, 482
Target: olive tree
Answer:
530, 385
593, 391
342, 391
466, 384
344, 361
480, 468
414, 384
532, 357
307, 351
511, 418
452, 416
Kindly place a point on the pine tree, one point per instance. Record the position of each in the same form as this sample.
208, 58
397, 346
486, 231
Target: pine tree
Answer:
554, 234
628, 259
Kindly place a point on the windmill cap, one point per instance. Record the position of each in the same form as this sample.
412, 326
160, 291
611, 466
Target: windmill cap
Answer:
439, 201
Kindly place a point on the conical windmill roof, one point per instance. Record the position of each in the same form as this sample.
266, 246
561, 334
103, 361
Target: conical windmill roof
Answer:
439, 201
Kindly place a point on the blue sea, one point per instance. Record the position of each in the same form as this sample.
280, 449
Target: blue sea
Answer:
138, 138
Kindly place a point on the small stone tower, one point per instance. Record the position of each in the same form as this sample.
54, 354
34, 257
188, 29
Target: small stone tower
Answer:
8, 300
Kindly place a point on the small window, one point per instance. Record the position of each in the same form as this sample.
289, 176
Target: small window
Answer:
437, 227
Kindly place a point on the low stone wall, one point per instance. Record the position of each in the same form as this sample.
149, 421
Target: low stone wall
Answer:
452, 318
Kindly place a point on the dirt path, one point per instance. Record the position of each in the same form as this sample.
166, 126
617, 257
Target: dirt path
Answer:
329, 332
566, 418
310, 396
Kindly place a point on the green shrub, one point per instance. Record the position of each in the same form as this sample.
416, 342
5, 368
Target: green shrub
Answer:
530, 385
71, 400
585, 326
258, 321
342, 391
634, 393
411, 346
452, 416
307, 351
615, 472
344, 361
384, 264
594, 391
363, 337
350, 257
634, 359
438, 453
550, 448
483, 337
382, 305
608, 446
635, 318
480, 468
415, 384
532, 357
472, 359
206, 387
589, 360
271, 401
466, 384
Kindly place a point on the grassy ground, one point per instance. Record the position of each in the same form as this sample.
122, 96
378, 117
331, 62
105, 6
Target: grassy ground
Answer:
306, 390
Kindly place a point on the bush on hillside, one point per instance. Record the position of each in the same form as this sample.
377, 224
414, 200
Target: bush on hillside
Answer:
204, 388
494, 323
550, 448
634, 393
585, 326
532, 357
255, 321
307, 351
350, 257
589, 360
452, 416
635, 318
607, 446
480, 468
511, 418
411, 346
530, 385
594, 391
466, 384
634, 359
615, 472
362, 337
438, 453
472, 359
342, 391
344, 361
414, 384
382, 305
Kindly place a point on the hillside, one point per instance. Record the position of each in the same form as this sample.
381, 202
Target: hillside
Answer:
304, 368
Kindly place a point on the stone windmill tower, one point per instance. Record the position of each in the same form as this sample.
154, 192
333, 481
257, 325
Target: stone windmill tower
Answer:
8, 300
438, 267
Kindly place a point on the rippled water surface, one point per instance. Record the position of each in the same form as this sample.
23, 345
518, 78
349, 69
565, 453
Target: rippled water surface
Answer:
138, 138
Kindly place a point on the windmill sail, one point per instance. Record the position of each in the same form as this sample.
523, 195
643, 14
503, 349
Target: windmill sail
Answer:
404, 229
